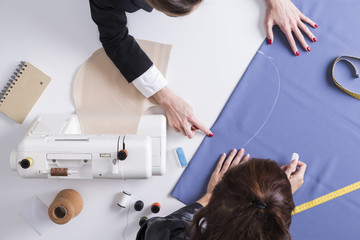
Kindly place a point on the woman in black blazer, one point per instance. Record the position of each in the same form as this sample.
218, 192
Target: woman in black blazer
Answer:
138, 69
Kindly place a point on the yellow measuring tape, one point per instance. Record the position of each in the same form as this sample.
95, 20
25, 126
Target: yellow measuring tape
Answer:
354, 186
326, 197
345, 58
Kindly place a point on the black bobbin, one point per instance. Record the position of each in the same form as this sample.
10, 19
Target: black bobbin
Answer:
139, 205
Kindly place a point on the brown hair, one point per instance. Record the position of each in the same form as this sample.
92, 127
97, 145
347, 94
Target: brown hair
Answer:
252, 201
178, 7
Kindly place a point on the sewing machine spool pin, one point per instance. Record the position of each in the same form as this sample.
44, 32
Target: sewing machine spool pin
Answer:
122, 154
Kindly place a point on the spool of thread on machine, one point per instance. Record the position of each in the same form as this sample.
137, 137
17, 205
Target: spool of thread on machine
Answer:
26, 163
124, 200
59, 172
67, 204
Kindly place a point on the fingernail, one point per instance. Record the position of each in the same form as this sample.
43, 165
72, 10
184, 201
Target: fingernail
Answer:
308, 49
211, 135
314, 39
241, 149
297, 53
248, 155
316, 26
269, 41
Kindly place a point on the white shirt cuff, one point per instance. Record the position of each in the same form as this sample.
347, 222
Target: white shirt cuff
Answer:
150, 82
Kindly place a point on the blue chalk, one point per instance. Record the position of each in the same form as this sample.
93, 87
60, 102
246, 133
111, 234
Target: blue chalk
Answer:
181, 157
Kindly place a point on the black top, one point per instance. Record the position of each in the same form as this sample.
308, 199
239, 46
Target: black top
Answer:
121, 48
171, 227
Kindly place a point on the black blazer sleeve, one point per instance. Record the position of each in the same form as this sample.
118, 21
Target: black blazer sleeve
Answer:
121, 48
171, 227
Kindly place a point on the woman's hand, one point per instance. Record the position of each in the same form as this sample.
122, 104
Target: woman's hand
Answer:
179, 113
295, 172
221, 168
290, 20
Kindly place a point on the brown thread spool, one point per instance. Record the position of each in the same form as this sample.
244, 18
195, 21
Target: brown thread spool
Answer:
59, 172
66, 205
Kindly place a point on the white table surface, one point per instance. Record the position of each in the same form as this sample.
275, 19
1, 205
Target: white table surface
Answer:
211, 50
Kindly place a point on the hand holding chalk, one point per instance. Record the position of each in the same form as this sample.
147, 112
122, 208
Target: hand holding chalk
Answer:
295, 172
294, 157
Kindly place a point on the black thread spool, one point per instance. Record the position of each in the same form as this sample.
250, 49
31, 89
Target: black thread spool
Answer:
122, 155
26, 163
139, 205
142, 220
155, 208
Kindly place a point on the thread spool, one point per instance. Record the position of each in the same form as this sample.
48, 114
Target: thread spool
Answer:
139, 205
26, 163
122, 155
155, 207
124, 200
59, 171
142, 220
67, 204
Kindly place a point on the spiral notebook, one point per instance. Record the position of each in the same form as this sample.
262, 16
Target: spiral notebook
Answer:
22, 91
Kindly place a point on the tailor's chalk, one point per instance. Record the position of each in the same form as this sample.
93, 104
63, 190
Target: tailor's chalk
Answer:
294, 156
155, 208
180, 155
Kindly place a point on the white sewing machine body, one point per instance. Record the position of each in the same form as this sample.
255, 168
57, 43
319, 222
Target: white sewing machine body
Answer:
54, 147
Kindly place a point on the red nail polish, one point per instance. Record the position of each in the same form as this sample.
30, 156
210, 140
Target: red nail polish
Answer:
308, 48
211, 135
314, 39
269, 41
316, 26
297, 53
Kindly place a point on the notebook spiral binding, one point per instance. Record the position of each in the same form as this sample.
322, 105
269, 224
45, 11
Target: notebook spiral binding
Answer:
12, 81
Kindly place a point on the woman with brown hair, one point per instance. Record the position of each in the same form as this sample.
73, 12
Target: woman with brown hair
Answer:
245, 199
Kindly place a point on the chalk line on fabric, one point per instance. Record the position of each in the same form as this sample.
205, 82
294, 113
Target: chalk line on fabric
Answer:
276, 99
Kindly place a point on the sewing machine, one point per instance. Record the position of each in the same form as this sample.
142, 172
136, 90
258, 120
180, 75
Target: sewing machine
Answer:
54, 147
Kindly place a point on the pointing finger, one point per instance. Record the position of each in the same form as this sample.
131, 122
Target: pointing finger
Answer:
269, 31
201, 127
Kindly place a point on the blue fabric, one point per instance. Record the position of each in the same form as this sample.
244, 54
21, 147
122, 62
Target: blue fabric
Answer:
311, 116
